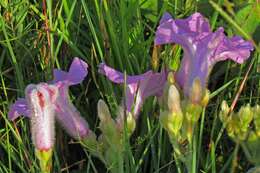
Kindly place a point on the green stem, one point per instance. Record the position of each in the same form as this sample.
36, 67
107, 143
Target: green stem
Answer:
194, 153
177, 161
201, 133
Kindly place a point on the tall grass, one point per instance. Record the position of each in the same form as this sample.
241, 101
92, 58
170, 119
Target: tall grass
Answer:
36, 36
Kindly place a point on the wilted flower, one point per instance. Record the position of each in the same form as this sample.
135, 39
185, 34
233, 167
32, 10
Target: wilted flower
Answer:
202, 47
45, 101
39, 100
138, 88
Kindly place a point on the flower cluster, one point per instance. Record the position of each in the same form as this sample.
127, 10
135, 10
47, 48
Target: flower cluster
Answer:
243, 127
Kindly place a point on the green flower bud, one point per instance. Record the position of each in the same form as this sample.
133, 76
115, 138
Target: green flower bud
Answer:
192, 112
130, 121
234, 128
232, 125
120, 121
172, 122
103, 111
246, 116
107, 124
224, 111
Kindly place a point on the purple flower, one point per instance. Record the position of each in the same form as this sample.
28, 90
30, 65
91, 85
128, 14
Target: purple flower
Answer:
45, 101
202, 47
139, 87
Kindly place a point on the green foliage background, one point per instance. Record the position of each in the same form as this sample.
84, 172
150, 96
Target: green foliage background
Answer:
37, 36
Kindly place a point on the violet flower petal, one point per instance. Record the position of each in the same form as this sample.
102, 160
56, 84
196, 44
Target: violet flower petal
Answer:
66, 113
69, 117
59, 75
181, 31
77, 72
139, 87
202, 47
19, 108
130, 100
116, 76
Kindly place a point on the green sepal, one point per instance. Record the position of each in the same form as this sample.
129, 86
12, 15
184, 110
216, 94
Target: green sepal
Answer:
172, 122
45, 159
192, 112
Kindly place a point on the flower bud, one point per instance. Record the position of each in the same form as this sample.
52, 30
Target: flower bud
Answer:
246, 116
130, 121
103, 111
174, 100
205, 99
224, 111
172, 122
232, 125
40, 100
170, 78
107, 124
192, 112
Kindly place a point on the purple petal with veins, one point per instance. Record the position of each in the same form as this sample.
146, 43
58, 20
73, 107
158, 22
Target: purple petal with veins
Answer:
202, 47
